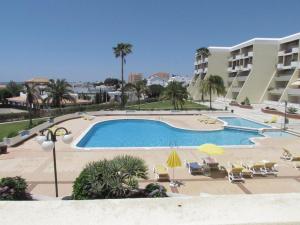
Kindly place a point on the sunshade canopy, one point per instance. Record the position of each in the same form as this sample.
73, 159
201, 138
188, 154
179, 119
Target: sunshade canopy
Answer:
211, 149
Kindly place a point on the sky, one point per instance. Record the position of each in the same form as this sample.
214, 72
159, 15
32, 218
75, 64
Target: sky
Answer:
73, 39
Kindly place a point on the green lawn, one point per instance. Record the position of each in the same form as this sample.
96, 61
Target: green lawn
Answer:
12, 129
167, 106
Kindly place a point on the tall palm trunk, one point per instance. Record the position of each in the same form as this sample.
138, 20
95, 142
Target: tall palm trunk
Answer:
139, 100
210, 97
122, 79
30, 115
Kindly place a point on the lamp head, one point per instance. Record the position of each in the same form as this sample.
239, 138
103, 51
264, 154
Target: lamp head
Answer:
48, 145
67, 138
40, 139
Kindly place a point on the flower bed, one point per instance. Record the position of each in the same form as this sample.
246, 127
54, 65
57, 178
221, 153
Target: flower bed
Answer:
279, 113
240, 105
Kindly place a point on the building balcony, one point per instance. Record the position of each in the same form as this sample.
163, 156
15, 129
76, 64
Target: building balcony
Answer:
247, 67
205, 70
283, 67
242, 78
295, 64
281, 53
247, 54
206, 59
230, 79
238, 57
288, 51
236, 89
196, 72
195, 63
230, 58
283, 78
295, 50
276, 91
229, 69
293, 91
200, 70
292, 65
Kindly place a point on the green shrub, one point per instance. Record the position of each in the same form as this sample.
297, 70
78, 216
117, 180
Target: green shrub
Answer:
292, 110
116, 178
247, 101
155, 190
13, 188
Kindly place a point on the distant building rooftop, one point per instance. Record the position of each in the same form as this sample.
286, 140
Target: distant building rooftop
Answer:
38, 80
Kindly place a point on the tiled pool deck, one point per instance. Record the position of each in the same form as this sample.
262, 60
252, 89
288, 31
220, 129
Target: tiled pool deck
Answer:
31, 162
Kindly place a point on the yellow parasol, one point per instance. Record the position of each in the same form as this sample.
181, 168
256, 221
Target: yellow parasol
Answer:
211, 149
173, 161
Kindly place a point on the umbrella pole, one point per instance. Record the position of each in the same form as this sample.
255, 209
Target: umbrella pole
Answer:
173, 175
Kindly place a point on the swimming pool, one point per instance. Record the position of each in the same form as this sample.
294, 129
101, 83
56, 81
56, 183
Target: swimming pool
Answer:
241, 122
151, 133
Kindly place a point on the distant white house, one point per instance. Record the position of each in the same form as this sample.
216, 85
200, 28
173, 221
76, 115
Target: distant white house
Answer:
185, 80
157, 79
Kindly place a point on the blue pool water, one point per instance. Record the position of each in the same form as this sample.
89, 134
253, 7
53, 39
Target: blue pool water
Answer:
148, 133
278, 134
241, 122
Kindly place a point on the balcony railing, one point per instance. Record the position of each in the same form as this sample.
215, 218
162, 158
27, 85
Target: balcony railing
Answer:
242, 78
247, 54
236, 89
288, 51
295, 64
230, 79
283, 78
238, 57
293, 91
276, 91
247, 67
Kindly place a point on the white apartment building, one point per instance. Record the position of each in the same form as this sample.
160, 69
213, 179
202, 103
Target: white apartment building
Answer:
262, 69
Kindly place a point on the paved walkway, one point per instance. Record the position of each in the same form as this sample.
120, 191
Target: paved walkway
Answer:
268, 209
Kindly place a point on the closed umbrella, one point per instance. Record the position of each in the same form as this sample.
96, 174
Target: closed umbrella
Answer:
173, 161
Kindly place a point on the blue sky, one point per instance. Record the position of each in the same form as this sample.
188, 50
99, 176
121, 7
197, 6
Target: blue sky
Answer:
74, 39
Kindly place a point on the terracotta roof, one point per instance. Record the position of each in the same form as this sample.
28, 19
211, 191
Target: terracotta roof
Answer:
38, 80
22, 99
162, 75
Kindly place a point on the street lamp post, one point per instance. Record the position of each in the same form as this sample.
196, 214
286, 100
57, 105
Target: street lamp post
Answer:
48, 143
284, 123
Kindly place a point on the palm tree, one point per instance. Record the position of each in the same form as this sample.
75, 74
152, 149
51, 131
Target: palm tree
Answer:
203, 52
213, 84
121, 50
139, 88
59, 92
32, 97
176, 93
